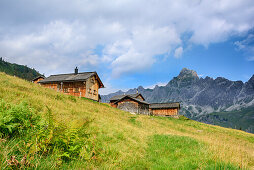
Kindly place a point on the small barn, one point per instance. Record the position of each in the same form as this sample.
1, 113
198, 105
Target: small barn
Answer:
131, 103
164, 109
37, 79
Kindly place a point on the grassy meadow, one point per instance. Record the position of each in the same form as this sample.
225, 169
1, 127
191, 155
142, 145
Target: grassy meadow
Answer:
76, 133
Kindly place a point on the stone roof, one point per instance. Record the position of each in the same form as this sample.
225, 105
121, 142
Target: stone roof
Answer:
164, 105
133, 98
70, 77
118, 97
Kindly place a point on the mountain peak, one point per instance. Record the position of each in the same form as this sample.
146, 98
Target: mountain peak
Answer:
187, 73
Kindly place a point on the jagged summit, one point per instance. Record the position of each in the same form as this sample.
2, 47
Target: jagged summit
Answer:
185, 72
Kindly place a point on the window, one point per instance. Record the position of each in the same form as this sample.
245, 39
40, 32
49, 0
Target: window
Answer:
76, 90
92, 80
89, 91
94, 92
66, 90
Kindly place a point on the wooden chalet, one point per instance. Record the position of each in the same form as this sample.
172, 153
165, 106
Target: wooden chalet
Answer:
84, 84
39, 78
164, 109
134, 103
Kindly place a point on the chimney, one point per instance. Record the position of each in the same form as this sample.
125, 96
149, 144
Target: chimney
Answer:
76, 70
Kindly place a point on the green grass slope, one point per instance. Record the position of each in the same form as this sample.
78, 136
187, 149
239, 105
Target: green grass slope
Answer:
239, 119
117, 139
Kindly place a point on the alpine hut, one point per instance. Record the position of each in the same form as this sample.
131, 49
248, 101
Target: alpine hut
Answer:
165, 109
85, 84
134, 103
37, 79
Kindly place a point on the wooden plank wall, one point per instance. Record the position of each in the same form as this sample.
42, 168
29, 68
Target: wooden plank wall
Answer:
128, 105
75, 89
165, 112
92, 86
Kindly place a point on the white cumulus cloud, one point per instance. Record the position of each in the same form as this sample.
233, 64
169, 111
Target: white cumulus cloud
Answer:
54, 36
178, 52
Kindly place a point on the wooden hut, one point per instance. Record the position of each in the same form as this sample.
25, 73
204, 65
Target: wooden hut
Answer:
84, 84
164, 109
134, 103
37, 79
118, 97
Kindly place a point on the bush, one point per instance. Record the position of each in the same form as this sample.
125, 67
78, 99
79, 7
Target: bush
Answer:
64, 142
37, 136
16, 120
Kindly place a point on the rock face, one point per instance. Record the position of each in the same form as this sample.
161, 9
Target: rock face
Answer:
199, 96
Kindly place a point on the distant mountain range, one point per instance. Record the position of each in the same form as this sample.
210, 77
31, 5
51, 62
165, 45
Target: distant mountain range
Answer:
21, 71
199, 97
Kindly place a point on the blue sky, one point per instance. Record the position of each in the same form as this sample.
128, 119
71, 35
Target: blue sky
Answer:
129, 42
222, 59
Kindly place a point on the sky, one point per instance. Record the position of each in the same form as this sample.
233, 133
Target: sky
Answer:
130, 42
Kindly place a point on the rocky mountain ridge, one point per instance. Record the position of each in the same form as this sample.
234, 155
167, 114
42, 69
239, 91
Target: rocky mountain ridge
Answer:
199, 96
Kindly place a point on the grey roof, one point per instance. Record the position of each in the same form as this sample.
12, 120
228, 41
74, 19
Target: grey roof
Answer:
133, 98
122, 96
68, 77
40, 76
164, 105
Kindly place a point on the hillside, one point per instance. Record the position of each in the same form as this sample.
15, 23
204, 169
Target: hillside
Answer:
239, 119
21, 71
114, 138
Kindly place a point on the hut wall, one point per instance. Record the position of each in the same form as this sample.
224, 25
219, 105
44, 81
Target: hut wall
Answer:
75, 89
50, 85
144, 109
92, 87
128, 105
165, 112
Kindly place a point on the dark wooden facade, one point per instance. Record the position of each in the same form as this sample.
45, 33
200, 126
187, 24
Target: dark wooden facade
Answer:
131, 103
136, 103
164, 109
85, 84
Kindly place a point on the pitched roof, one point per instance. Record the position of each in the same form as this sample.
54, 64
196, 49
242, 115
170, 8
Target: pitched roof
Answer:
122, 96
41, 76
133, 98
71, 78
164, 105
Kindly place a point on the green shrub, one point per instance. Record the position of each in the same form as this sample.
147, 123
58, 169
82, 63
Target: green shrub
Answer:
16, 120
62, 141
39, 137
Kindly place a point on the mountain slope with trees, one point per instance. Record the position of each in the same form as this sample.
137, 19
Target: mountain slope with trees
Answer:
21, 71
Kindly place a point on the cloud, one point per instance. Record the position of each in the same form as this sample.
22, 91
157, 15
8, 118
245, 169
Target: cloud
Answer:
247, 46
138, 53
156, 84
55, 38
250, 58
178, 52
